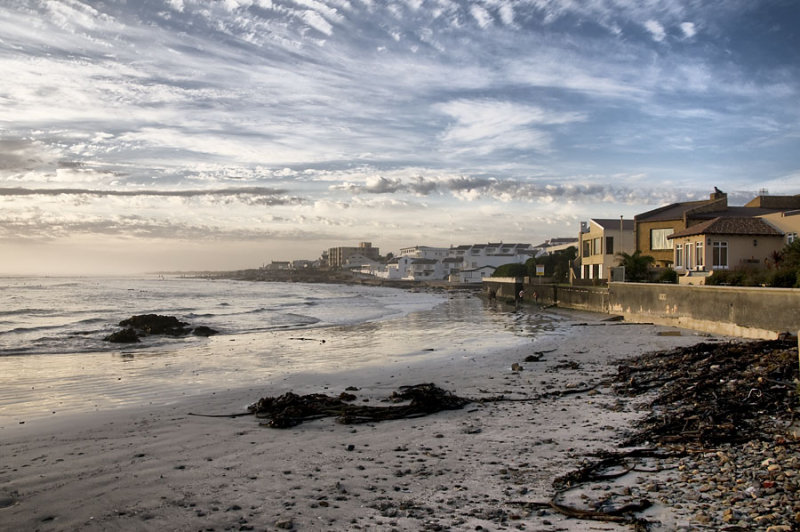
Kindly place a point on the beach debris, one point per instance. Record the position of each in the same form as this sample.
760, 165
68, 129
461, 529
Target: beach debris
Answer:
713, 393
290, 409
142, 325
713, 400
302, 339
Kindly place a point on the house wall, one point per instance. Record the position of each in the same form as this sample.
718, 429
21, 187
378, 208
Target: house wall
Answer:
742, 252
663, 257
786, 222
623, 241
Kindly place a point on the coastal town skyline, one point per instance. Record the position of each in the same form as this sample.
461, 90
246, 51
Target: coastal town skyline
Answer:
186, 135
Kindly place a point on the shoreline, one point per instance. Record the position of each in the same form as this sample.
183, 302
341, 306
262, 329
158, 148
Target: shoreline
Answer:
155, 468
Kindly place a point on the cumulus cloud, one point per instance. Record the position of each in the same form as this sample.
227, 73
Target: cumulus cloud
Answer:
656, 30
689, 30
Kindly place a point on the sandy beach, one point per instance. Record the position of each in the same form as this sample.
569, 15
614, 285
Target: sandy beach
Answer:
160, 468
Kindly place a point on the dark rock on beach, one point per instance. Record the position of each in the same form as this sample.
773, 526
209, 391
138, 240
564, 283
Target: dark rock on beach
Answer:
125, 336
142, 325
157, 324
204, 331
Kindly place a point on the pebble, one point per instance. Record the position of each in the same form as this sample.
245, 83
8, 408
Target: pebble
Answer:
756, 490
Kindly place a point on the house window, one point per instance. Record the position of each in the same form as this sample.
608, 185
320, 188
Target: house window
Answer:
688, 250
791, 237
658, 238
597, 243
699, 257
719, 255
679, 256
587, 250
609, 245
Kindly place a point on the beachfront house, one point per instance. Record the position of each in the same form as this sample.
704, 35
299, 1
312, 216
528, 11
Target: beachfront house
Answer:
363, 264
458, 264
723, 243
600, 240
474, 275
276, 265
339, 257
552, 245
654, 228
471, 263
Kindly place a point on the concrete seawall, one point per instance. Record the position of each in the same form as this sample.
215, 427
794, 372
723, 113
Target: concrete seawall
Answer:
737, 311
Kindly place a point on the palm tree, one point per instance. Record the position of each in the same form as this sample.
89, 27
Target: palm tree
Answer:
636, 265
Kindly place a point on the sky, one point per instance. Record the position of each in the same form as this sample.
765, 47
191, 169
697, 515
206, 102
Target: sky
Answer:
162, 135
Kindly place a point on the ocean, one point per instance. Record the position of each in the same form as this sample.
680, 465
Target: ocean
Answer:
53, 357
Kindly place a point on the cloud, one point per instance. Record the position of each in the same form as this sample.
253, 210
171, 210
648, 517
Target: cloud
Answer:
486, 125
256, 114
689, 30
656, 30
277, 195
481, 16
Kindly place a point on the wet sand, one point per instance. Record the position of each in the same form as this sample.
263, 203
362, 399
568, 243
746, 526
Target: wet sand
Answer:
159, 468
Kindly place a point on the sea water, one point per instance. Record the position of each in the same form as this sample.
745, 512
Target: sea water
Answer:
53, 356
74, 315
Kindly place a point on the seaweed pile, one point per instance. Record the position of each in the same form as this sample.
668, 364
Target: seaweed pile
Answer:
713, 393
290, 409
715, 403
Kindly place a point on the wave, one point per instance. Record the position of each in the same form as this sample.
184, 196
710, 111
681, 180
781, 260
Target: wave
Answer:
29, 312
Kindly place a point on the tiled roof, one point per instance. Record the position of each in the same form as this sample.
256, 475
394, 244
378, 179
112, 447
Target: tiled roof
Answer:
730, 226
736, 212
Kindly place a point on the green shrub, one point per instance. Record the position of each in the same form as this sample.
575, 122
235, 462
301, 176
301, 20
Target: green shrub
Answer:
668, 276
511, 270
782, 278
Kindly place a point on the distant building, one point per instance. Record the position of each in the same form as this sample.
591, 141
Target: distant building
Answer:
304, 264
475, 275
552, 245
339, 257
424, 252
278, 265
465, 263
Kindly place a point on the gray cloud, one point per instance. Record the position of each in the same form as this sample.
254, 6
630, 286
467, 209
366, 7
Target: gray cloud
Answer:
260, 195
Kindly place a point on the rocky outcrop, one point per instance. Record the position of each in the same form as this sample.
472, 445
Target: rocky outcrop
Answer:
142, 325
125, 336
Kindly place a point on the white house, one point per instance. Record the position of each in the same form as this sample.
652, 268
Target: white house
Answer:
473, 275
461, 264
